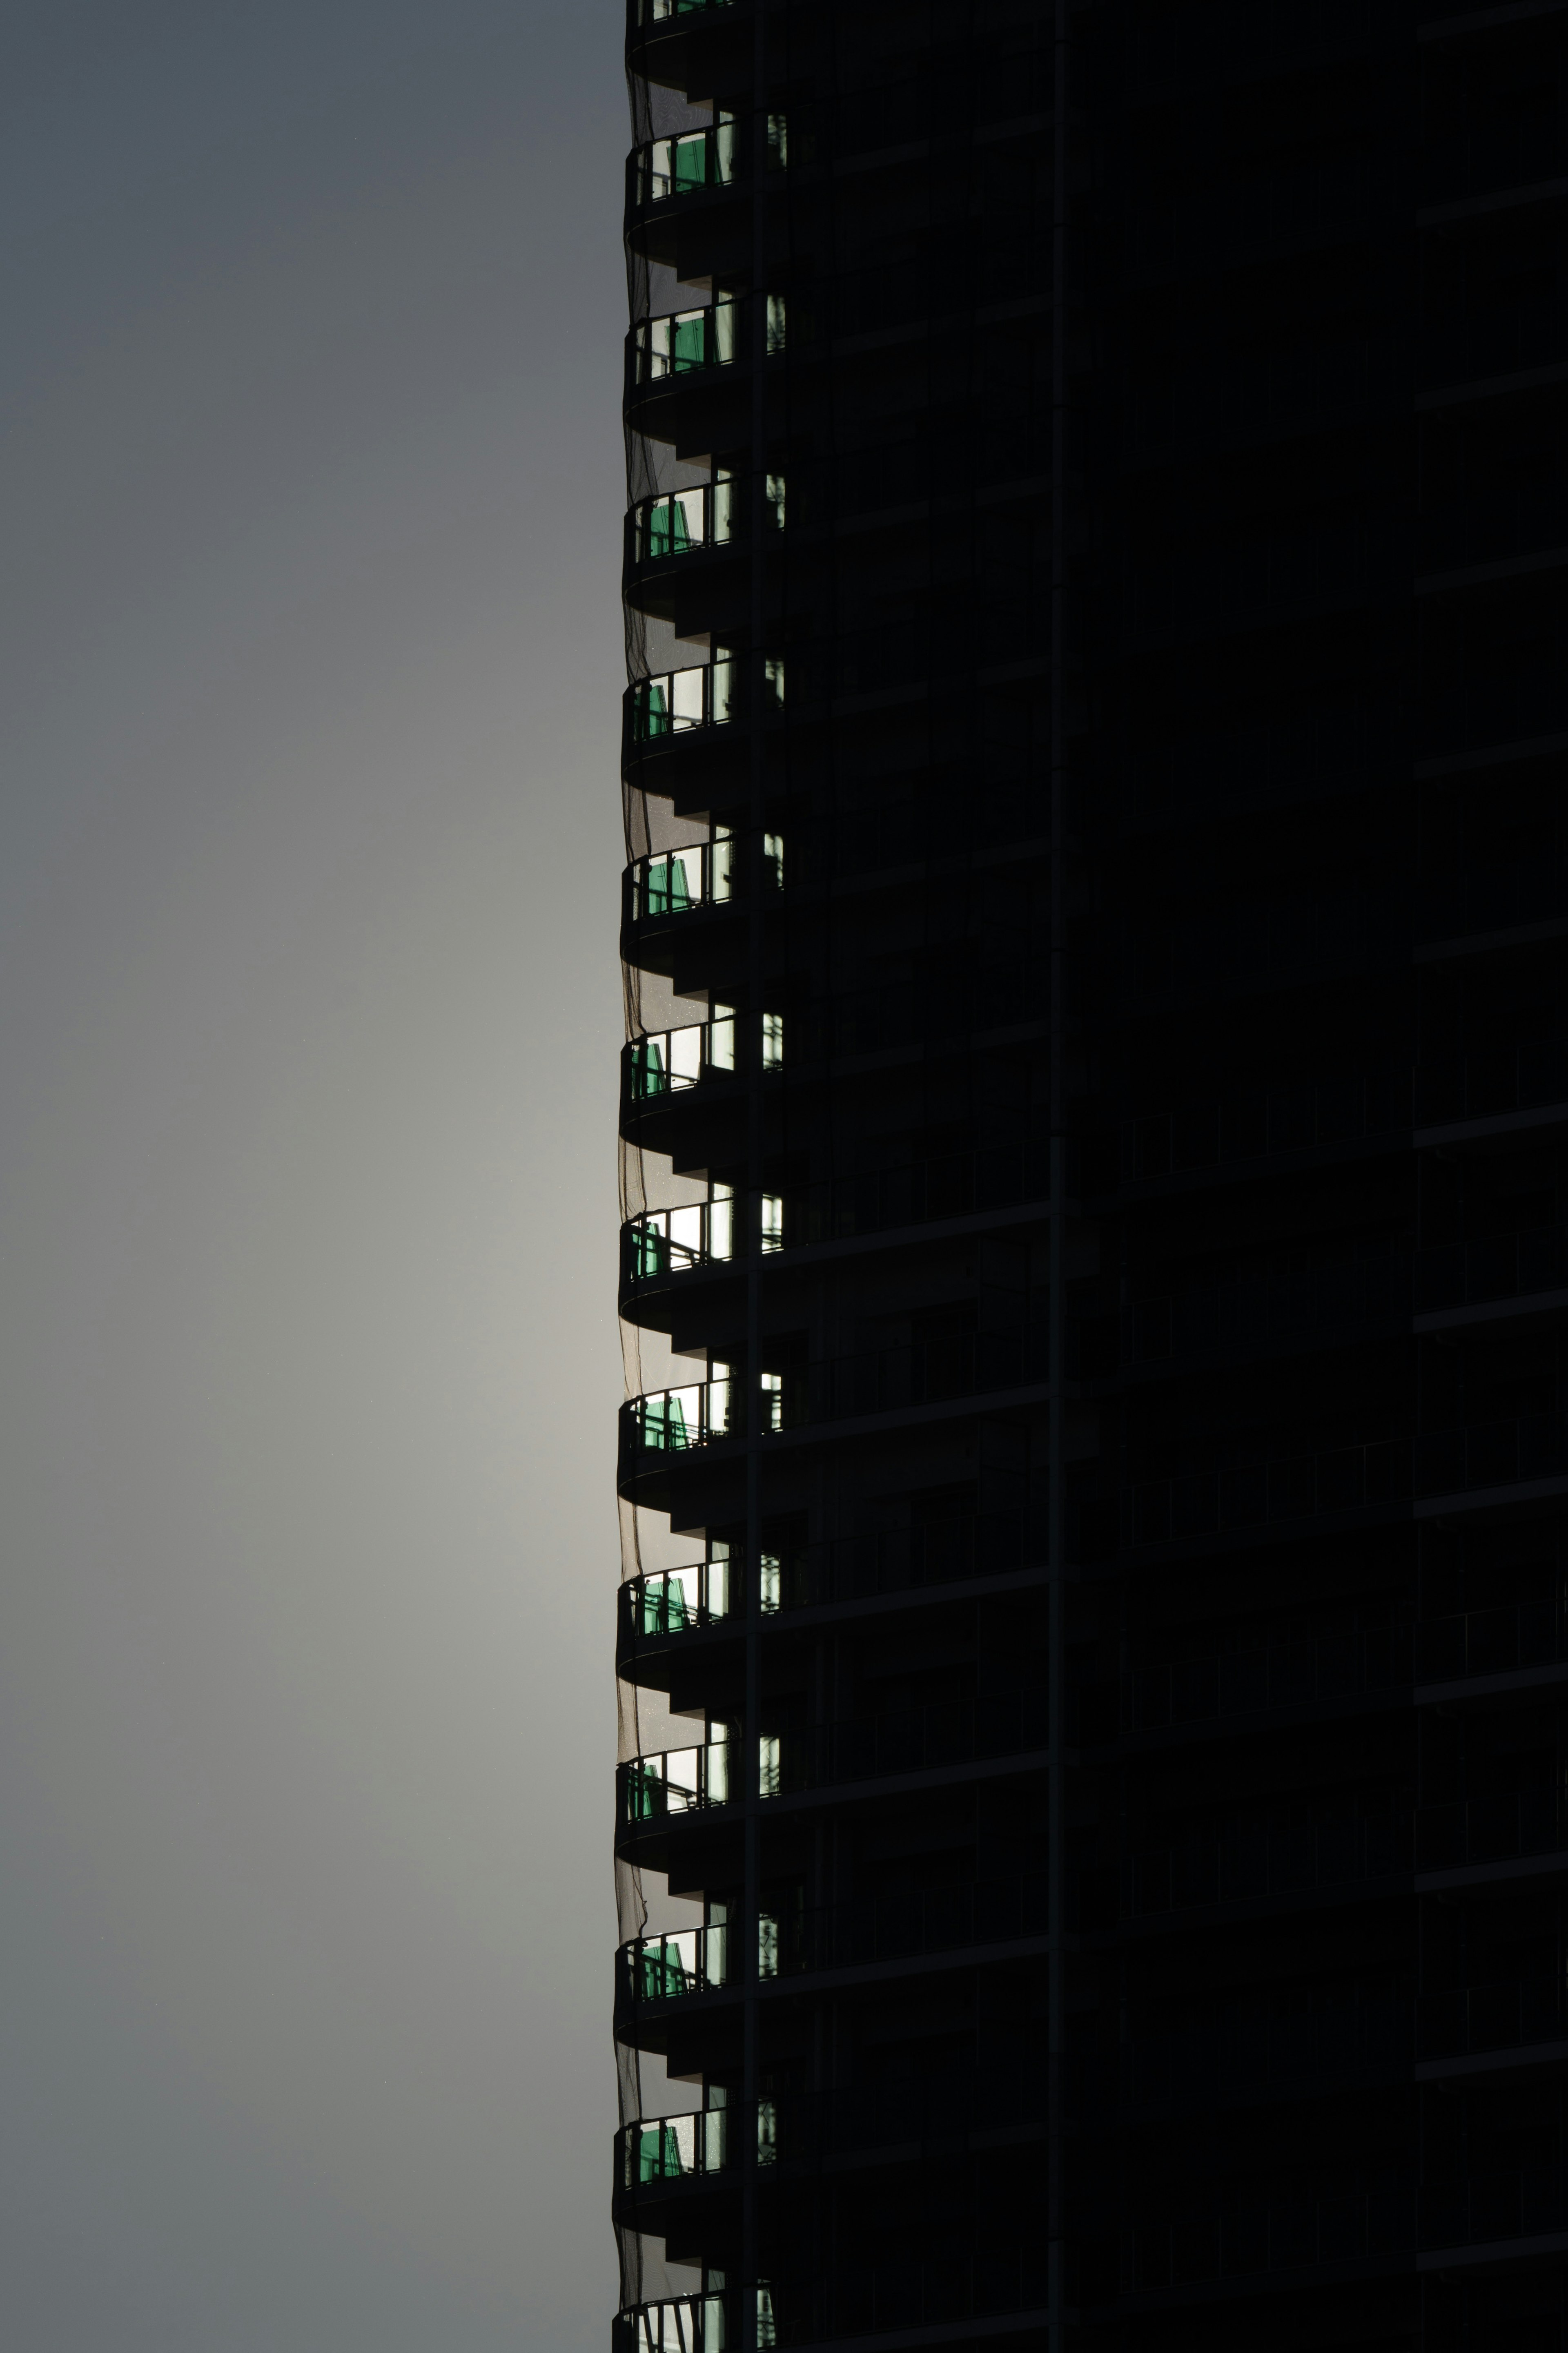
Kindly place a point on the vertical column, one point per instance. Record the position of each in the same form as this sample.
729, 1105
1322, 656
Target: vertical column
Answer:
751, 1900
1057, 1530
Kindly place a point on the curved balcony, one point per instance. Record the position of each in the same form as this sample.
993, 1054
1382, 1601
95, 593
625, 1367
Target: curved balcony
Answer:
655, 1971
664, 1244
675, 1781
676, 1600
692, 163
687, 2324
673, 1968
690, 2148
671, 1062
666, 1604
678, 1781
692, 343
665, 12
708, 694
947, 1371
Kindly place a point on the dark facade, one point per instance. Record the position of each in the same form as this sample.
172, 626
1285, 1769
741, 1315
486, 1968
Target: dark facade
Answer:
1095, 1127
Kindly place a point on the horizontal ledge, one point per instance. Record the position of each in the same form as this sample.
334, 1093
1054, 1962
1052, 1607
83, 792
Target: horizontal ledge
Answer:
1489, 1874
1478, 575
1494, 2250
1501, 1123
1496, 200
1510, 1679
1491, 2063
1459, 393
1491, 1311
1469, 944
946, 2332
1505, 755
1489, 1499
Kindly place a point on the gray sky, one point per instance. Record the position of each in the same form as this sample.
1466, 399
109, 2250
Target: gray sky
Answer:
309, 846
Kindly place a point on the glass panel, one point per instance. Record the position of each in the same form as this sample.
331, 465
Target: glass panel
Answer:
721, 1223
767, 1945
690, 161
775, 326
686, 698
774, 499
689, 341
726, 687
722, 1038
773, 682
771, 1584
722, 865
772, 1221
773, 1041
724, 508
724, 152
686, 1055
726, 332
768, 1765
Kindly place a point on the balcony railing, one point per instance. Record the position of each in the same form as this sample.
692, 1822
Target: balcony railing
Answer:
684, 342
660, 12
1489, 1454
1453, 2023
678, 701
662, 1242
839, 1936
699, 875
710, 695
677, 2148
1524, 1076
668, 1062
1524, 2205
670, 1969
1515, 1823
686, 2323
1492, 1641
671, 1241
675, 1422
682, 166
676, 1600
1497, 1266
678, 1781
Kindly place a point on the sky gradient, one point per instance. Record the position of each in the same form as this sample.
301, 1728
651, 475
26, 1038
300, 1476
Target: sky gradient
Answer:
309, 846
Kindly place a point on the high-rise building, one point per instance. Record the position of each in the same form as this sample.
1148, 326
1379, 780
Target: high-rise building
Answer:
1091, 1824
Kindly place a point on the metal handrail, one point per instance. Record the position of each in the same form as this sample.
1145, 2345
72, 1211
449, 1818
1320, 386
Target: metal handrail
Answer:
698, 874
707, 694
669, 1061
685, 2324
671, 1968
675, 1781
709, 335
840, 1208
686, 164
666, 1601
675, 1421
676, 2148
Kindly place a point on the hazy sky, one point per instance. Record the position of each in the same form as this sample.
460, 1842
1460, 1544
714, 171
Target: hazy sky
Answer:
307, 895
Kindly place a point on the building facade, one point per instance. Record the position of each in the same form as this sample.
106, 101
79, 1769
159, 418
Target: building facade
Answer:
1090, 1827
